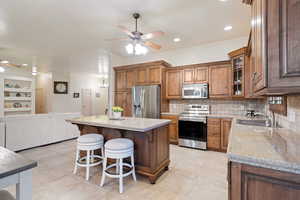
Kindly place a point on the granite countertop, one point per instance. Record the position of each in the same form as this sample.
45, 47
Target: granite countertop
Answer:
169, 113
277, 149
126, 123
12, 163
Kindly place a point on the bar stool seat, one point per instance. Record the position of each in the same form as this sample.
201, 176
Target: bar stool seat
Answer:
90, 138
5, 195
89, 143
118, 144
118, 149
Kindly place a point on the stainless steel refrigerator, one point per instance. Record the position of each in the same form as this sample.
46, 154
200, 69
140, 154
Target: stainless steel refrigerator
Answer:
146, 101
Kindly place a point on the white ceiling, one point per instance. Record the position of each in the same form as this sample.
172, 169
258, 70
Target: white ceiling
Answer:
68, 27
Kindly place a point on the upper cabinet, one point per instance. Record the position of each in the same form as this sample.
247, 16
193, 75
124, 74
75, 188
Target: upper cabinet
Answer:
155, 75
129, 76
142, 76
195, 75
201, 74
188, 75
174, 84
121, 83
238, 62
275, 49
220, 81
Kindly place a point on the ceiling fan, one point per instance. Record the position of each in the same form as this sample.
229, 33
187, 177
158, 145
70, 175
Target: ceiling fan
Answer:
139, 39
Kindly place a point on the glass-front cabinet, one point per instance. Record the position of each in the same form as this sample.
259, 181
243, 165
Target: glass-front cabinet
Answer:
238, 69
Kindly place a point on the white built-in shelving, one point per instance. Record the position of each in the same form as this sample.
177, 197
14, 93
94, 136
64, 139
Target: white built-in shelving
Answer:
18, 95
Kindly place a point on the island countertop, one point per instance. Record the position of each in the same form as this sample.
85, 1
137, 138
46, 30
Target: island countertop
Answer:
126, 123
12, 163
276, 149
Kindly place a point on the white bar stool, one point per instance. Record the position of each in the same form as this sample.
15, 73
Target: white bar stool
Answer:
5, 195
89, 143
118, 149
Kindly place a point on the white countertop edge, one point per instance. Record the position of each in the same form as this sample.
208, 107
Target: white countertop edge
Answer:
281, 166
121, 127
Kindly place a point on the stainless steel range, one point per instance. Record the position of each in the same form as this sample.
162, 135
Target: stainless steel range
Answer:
193, 126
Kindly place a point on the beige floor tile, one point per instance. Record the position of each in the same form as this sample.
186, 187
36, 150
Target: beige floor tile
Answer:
193, 174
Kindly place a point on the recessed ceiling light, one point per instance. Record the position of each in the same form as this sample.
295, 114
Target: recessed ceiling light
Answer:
176, 39
223, 0
4, 61
24, 64
227, 28
2, 69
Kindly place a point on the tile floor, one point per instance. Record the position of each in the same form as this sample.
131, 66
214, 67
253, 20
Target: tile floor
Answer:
193, 174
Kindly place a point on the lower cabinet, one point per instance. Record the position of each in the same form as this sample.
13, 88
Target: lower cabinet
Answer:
218, 130
173, 128
255, 183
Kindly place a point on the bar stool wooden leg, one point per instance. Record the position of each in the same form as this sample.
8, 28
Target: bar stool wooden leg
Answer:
121, 176
87, 165
133, 167
103, 172
76, 160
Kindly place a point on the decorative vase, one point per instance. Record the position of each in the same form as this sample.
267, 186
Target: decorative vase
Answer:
117, 115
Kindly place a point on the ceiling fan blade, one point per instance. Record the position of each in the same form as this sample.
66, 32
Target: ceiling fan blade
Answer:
152, 45
116, 39
152, 35
125, 30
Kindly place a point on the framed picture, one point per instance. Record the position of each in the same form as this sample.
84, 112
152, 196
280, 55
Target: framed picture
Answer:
75, 95
60, 87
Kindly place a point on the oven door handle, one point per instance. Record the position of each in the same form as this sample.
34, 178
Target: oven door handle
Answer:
192, 120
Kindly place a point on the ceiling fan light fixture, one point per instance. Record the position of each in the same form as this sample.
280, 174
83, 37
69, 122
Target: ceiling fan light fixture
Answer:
136, 49
2, 69
140, 49
129, 48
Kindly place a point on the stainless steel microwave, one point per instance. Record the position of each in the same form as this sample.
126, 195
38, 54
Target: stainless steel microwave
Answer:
195, 91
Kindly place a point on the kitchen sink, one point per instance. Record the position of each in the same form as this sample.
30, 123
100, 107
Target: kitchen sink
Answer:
252, 122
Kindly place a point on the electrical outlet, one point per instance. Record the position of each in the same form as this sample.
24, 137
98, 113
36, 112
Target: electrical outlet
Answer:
292, 116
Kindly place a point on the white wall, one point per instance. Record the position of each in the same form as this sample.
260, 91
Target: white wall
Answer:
211, 52
64, 103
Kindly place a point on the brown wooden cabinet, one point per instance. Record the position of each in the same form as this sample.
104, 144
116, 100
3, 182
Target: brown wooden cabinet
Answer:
142, 76
213, 133
155, 75
258, 45
139, 74
274, 58
220, 81
188, 75
238, 62
255, 183
130, 78
173, 84
123, 99
195, 75
201, 75
121, 83
225, 131
218, 130
173, 128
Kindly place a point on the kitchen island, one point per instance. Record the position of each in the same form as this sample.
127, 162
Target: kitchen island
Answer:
150, 137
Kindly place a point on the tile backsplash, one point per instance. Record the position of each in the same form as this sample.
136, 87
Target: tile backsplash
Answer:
222, 106
292, 120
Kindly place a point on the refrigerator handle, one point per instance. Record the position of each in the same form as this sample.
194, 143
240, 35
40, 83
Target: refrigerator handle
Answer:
143, 102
